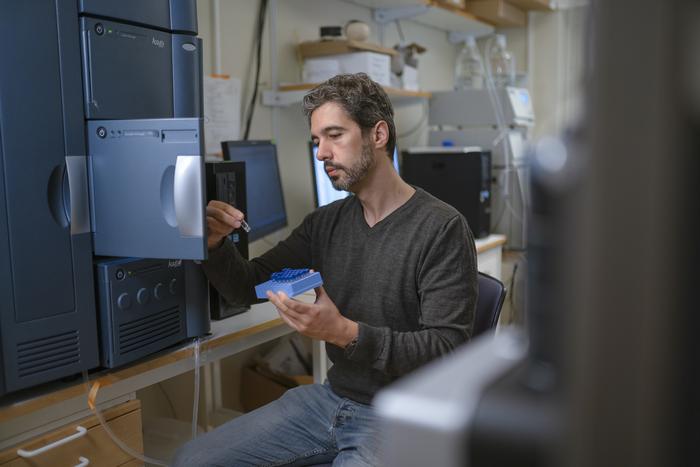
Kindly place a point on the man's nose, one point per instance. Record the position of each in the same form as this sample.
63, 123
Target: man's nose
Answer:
324, 151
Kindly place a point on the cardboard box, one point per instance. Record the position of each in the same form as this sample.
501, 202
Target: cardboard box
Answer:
409, 78
376, 65
259, 387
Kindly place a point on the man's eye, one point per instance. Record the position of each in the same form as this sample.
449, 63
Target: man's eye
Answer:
334, 135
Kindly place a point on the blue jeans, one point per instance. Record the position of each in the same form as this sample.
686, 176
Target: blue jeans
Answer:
308, 425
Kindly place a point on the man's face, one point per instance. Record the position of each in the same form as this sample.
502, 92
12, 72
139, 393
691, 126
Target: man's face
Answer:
346, 155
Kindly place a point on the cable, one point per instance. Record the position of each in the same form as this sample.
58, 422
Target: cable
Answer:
167, 399
398, 29
503, 131
92, 396
195, 404
256, 83
512, 285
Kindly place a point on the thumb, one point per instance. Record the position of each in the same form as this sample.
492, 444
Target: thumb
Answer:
320, 293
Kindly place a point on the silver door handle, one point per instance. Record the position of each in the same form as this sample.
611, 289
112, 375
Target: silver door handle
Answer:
81, 431
188, 196
76, 167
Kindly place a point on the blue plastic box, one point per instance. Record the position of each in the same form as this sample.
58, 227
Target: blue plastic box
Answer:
290, 281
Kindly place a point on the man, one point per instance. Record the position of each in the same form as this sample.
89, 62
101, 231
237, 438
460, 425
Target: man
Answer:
400, 287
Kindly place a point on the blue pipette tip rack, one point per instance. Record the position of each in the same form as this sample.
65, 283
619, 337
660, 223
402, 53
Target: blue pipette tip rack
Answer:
290, 281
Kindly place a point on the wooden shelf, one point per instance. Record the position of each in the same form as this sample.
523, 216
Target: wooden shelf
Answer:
311, 49
438, 15
290, 94
498, 12
538, 5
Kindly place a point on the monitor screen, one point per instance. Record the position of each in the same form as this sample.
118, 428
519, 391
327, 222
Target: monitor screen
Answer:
323, 189
266, 211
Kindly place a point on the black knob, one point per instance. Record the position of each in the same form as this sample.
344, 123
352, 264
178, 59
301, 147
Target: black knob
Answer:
120, 274
159, 291
143, 296
101, 132
99, 29
124, 301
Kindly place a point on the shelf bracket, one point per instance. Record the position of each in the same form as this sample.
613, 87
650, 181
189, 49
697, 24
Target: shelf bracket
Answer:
388, 15
282, 99
457, 37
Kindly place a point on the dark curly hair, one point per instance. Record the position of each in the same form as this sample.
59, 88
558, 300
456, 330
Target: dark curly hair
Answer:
363, 99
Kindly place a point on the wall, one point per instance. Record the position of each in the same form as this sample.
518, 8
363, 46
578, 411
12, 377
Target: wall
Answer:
549, 51
299, 20
557, 50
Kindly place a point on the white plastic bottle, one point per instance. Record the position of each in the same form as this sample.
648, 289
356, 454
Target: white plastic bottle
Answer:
502, 63
469, 70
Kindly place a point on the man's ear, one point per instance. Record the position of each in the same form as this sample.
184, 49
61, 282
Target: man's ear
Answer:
381, 134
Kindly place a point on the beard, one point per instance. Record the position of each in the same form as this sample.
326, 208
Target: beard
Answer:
351, 175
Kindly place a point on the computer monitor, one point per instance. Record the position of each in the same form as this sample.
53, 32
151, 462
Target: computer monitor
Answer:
266, 211
324, 193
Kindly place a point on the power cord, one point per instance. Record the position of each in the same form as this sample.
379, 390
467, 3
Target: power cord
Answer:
260, 29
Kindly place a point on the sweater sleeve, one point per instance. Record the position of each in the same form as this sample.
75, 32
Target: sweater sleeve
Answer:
235, 277
447, 288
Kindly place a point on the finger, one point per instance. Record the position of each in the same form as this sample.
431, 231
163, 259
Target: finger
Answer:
223, 217
217, 226
285, 305
227, 208
320, 291
290, 322
299, 320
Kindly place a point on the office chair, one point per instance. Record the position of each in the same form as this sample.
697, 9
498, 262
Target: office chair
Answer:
492, 294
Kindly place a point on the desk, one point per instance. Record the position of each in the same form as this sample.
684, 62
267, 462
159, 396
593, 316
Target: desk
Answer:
489, 253
66, 403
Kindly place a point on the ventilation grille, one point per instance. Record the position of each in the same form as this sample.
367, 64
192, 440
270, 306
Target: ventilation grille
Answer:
47, 353
142, 332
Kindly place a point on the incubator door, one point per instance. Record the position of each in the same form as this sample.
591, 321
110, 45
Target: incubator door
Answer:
147, 183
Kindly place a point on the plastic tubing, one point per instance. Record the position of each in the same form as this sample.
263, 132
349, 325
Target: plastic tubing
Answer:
498, 110
502, 133
92, 396
195, 403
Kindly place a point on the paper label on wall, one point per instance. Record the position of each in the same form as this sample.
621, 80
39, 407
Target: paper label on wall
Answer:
222, 110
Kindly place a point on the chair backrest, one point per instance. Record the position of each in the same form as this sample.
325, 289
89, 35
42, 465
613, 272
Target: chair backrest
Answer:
492, 294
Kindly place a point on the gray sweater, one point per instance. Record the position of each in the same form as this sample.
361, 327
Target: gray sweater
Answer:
410, 282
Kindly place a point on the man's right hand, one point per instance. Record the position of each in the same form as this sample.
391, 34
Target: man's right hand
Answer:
222, 219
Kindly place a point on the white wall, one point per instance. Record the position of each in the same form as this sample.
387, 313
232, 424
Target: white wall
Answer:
556, 57
299, 20
549, 50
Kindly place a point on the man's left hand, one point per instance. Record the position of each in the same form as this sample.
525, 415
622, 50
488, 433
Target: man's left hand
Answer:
319, 320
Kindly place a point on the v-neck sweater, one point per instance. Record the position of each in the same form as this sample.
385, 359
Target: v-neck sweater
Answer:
410, 281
